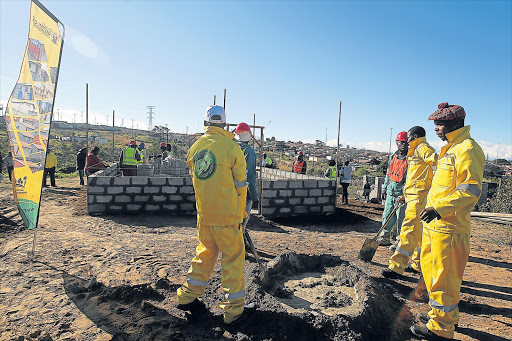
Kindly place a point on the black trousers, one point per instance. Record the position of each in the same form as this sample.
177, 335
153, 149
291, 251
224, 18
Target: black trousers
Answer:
50, 171
344, 197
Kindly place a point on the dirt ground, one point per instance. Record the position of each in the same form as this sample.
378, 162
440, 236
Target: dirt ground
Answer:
115, 277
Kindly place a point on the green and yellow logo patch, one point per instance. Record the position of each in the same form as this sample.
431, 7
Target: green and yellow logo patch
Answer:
204, 164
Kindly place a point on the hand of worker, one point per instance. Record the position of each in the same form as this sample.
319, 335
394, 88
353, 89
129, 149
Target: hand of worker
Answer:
429, 214
400, 198
383, 196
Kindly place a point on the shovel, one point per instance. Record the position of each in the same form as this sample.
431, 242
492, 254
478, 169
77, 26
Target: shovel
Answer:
370, 245
247, 237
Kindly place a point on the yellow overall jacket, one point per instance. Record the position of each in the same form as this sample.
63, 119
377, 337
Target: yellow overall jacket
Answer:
457, 183
421, 161
218, 172
51, 160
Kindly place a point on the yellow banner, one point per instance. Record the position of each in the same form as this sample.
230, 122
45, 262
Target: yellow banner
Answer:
30, 108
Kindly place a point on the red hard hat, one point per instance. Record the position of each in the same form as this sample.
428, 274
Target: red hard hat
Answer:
402, 136
163, 144
133, 143
242, 127
300, 153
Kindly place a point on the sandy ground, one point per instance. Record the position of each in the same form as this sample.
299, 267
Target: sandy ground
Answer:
114, 277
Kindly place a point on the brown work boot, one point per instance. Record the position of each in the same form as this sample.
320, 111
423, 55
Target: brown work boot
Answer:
424, 317
424, 333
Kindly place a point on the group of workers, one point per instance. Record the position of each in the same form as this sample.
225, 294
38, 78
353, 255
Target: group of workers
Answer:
344, 172
435, 195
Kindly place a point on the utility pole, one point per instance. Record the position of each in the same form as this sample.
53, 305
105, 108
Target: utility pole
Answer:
326, 137
74, 117
122, 122
133, 131
150, 116
113, 133
167, 133
497, 151
87, 116
390, 136
83, 116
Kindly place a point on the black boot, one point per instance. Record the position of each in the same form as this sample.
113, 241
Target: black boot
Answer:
193, 310
423, 332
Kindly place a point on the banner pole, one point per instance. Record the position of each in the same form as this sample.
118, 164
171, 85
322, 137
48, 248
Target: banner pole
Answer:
113, 134
338, 149
224, 100
87, 117
34, 244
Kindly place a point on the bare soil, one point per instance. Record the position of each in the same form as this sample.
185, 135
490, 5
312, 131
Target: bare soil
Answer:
115, 278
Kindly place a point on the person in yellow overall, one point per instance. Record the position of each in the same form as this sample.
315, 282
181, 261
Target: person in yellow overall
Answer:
421, 161
456, 187
218, 170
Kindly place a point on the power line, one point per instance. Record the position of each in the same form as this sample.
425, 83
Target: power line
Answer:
150, 116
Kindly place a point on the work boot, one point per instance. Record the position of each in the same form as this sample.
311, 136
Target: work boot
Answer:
410, 268
383, 241
248, 311
388, 273
423, 318
423, 332
193, 310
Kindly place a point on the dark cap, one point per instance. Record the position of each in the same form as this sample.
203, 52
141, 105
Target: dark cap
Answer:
446, 112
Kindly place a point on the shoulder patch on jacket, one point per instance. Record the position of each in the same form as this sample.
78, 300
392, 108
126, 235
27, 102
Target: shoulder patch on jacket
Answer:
204, 164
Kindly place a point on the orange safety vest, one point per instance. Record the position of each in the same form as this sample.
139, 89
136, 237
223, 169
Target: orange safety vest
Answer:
397, 169
297, 167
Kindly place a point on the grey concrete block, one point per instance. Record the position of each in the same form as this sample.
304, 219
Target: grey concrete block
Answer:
170, 207
294, 201
269, 193
285, 210
328, 209
315, 192
176, 181
90, 199
104, 199
268, 211
191, 198
115, 190
151, 190
133, 190
122, 181
169, 190
115, 208
310, 184
315, 209
91, 181
265, 202
323, 200
159, 198
175, 198
266, 184
284, 193
141, 198
279, 201
188, 180
325, 183
187, 189
103, 180
300, 209
151, 208
96, 190
301, 192
96, 208
187, 207
123, 198
140, 180
133, 207
160, 181
295, 184
280, 184
328, 192
309, 201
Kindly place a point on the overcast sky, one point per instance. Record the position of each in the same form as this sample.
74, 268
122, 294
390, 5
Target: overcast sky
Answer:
289, 63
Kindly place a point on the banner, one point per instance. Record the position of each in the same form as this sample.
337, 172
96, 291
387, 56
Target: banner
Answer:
30, 108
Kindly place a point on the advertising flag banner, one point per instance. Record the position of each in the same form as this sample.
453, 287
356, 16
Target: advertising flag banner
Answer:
30, 108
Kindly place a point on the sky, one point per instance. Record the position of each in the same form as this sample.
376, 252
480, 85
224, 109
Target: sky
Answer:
289, 63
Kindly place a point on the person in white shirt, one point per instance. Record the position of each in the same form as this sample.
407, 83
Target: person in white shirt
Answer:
345, 177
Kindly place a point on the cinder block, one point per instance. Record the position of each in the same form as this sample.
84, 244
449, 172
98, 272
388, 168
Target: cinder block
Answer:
104, 199
141, 198
266, 184
158, 181
309, 201
294, 201
115, 190
328, 192
315, 209
310, 184
265, 202
175, 198
187, 189
285, 193
300, 209
323, 200
188, 180
140, 180
191, 198
96, 190
266, 211
170, 207
295, 184
301, 192
315, 192
91, 181
169, 190
176, 181
328, 209
159, 198
90, 199
115, 208
103, 180
133, 190
285, 210
325, 183
269, 193
151, 190
96, 208
133, 207
279, 201
187, 207
280, 184
123, 198
122, 181
151, 208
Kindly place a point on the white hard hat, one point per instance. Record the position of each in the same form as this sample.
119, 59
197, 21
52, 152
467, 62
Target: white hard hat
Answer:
215, 114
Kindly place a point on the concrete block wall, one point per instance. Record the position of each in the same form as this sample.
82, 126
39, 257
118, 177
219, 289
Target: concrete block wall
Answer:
108, 193
296, 194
